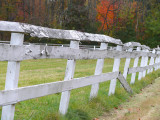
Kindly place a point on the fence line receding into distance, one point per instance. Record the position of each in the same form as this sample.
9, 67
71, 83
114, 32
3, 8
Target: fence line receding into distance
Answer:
17, 51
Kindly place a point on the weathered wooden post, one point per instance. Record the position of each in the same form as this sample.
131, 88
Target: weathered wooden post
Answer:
156, 60
135, 65
12, 77
115, 68
158, 56
145, 64
69, 74
126, 66
94, 47
141, 65
151, 62
98, 71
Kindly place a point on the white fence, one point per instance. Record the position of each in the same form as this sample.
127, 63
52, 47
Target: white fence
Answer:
16, 51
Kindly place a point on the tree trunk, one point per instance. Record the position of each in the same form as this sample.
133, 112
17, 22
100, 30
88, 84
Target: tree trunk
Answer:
33, 11
39, 9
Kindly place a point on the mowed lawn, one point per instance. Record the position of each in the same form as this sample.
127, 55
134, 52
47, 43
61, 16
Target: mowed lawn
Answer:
34, 72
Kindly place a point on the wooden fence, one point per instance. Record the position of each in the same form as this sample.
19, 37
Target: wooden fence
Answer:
16, 51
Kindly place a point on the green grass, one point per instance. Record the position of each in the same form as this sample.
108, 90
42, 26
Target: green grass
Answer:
80, 108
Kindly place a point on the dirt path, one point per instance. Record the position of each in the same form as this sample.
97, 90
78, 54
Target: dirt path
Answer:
143, 106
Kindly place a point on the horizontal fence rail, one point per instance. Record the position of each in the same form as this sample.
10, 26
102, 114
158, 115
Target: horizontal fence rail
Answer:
141, 69
18, 51
38, 31
20, 94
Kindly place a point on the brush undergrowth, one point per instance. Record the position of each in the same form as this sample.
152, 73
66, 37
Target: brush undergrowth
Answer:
80, 108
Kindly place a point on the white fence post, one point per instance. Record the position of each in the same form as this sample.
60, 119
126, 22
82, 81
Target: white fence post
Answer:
98, 71
151, 62
145, 64
156, 61
141, 65
12, 77
115, 68
69, 74
135, 65
94, 47
127, 64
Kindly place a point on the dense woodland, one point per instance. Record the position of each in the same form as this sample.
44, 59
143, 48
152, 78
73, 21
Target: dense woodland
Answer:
128, 20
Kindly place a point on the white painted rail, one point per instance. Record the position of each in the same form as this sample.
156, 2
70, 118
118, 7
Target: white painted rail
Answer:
44, 32
8, 97
19, 53
141, 69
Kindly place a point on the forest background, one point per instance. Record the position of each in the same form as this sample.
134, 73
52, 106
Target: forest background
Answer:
128, 20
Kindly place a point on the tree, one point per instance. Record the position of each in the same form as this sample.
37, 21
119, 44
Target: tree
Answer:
107, 14
76, 16
152, 24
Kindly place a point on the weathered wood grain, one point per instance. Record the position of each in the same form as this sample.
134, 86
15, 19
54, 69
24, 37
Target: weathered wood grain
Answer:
69, 74
19, 53
126, 66
8, 97
124, 83
135, 65
141, 69
38, 31
158, 60
157, 49
98, 71
12, 77
116, 65
132, 44
151, 62
140, 75
145, 47
128, 45
146, 64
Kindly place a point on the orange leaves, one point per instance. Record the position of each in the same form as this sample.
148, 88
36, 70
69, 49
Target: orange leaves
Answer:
105, 13
115, 14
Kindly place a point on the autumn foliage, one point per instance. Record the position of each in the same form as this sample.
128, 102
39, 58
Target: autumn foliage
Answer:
128, 20
106, 13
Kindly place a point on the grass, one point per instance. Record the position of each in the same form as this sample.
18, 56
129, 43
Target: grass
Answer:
80, 108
